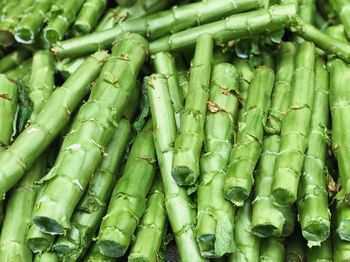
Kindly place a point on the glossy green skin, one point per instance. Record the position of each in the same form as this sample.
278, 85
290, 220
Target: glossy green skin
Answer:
128, 201
342, 9
272, 250
93, 128
307, 10
92, 206
164, 64
295, 128
246, 151
156, 25
328, 44
139, 9
32, 21
89, 15
282, 87
179, 209
314, 215
189, 140
21, 72
183, 82
247, 245
59, 23
151, 230
46, 257
215, 215
232, 27
341, 249
33, 141
295, 248
13, 59
94, 255
337, 31
323, 253
13, 233
11, 19
8, 107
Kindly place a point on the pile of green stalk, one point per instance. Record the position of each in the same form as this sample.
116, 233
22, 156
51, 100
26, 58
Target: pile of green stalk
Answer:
164, 130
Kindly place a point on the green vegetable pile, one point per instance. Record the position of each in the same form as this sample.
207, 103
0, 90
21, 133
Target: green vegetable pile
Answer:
220, 126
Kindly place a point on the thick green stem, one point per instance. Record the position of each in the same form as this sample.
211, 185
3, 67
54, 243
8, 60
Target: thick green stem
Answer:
307, 11
215, 214
92, 206
82, 149
31, 23
272, 250
247, 245
183, 82
89, 15
13, 59
189, 141
245, 153
342, 9
14, 228
94, 255
322, 253
233, 27
179, 209
59, 24
164, 64
33, 141
295, 128
128, 201
38, 241
162, 23
313, 210
151, 229
68, 66
341, 249
46, 257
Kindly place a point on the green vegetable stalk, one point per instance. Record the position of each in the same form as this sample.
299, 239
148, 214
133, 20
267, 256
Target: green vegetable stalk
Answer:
89, 15
8, 107
151, 229
322, 253
313, 210
272, 250
13, 59
295, 128
164, 64
307, 10
215, 225
38, 241
33, 141
128, 201
179, 209
162, 23
245, 153
31, 23
46, 257
233, 27
91, 132
61, 19
92, 207
341, 249
342, 8
247, 245
94, 255
188, 143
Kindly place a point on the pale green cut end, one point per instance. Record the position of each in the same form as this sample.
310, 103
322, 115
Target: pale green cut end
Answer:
344, 230
48, 225
283, 197
183, 176
206, 245
24, 36
237, 195
110, 248
38, 245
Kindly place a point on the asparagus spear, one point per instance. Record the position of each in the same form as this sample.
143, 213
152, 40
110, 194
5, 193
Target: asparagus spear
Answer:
183, 82
272, 250
28, 28
248, 245
89, 15
139, 9
178, 206
94, 255
13, 232
13, 59
342, 8
8, 107
59, 24
46, 257
33, 141
215, 214
159, 24
91, 132
233, 27
322, 253
295, 128
88, 214
38, 241
164, 64
10, 20
128, 198
307, 10
341, 249
314, 215
188, 143
245, 153
295, 248
151, 229
125, 2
